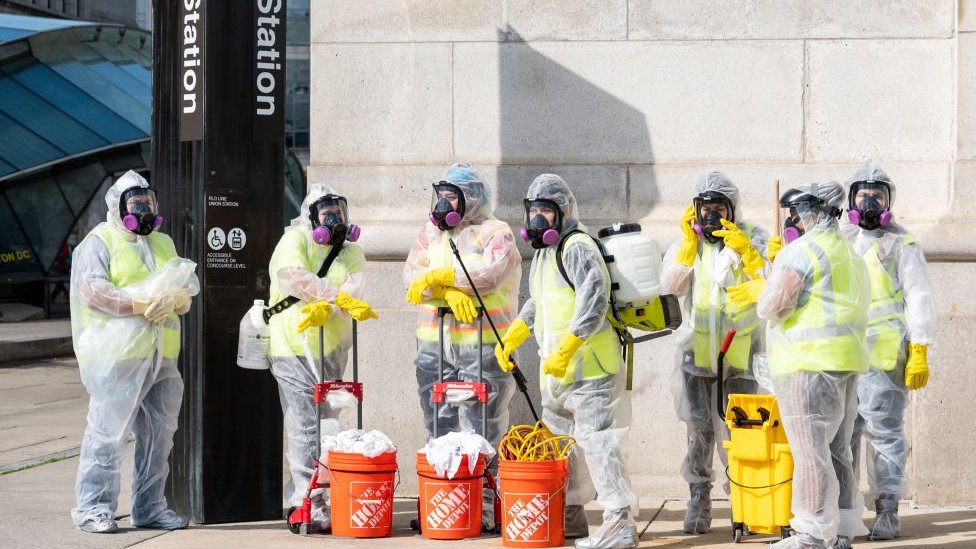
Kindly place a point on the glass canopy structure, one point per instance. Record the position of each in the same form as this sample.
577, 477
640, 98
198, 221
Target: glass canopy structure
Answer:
75, 105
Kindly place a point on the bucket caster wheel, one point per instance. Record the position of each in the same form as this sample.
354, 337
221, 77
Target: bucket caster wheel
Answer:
738, 530
293, 527
785, 532
415, 523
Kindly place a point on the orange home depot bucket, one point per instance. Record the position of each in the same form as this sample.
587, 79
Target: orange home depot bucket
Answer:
533, 495
362, 494
450, 508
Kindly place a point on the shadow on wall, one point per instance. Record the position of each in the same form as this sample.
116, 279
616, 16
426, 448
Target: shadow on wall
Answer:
554, 121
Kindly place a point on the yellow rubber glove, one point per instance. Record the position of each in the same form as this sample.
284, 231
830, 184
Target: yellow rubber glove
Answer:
518, 332
139, 306
161, 305
462, 306
357, 308
917, 367
739, 241
689, 243
182, 300
557, 362
746, 293
315, 315
441, 275
773, 247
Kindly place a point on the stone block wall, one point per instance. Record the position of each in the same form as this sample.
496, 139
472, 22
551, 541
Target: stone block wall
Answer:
629, 100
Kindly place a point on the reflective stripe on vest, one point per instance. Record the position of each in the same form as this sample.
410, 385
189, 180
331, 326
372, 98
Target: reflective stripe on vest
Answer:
126, 268
714, 314
886, 317
826, 332
555, 302
296, 249
439, 254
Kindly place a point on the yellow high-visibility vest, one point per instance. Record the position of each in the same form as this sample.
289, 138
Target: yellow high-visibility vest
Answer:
887, 328
297, 249
439, 254
710, 307
126, 268
600, 355
826, 332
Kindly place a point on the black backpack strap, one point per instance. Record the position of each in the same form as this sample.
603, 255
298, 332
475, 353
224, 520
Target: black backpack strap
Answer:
623, 335
559, 256
291, 300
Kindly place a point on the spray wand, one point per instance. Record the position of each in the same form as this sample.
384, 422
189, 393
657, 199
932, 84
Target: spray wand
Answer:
516, 372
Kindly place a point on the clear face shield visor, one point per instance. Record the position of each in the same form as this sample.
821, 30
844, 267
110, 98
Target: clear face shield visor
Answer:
328, 211
138, 210
710, 208
447, 205
541, 223
138, 200
330, 221
798, 217
869, 204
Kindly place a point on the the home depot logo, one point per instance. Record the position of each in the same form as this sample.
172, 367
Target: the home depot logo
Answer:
371, 505
528, 517
448, 508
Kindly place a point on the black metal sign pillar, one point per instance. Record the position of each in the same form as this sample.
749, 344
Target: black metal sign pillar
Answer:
218, 165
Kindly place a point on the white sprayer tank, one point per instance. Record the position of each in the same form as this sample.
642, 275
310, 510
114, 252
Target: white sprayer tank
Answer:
252, 342
636, 265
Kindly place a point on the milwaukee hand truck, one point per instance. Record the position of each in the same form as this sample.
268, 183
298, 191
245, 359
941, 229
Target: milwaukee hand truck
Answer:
300, 518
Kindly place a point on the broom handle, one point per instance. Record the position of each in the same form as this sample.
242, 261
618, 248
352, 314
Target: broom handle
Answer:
777, 213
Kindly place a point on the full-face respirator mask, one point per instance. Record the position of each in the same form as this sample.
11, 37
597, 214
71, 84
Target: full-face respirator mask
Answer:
801, 208
536, 228
443, 212
873, 212
137, 210
711, 202
329, 221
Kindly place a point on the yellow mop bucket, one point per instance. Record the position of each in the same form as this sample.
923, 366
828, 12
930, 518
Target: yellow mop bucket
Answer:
760, 468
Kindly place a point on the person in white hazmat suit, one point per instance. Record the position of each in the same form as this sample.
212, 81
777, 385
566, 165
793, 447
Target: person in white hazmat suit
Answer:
461, 211
583, 385
128, 287
816, 300
717, 250
321, 231
900, 325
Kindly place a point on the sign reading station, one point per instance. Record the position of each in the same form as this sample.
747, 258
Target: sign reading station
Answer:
192, 70
269, 70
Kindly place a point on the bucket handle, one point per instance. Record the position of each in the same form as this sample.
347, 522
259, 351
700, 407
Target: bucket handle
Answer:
333, 484
554, 494
780, 483
453, 478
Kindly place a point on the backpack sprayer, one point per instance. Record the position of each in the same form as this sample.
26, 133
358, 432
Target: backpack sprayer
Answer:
635, 301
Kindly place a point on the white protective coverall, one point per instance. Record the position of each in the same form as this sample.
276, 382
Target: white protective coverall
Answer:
708, 315
487, 248
295, 356
901, 313
816, 301
589, 402
127, 363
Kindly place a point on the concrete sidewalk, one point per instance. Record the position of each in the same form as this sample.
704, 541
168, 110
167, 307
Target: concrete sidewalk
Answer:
42, 418
34, 339
42, 411
930, 528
